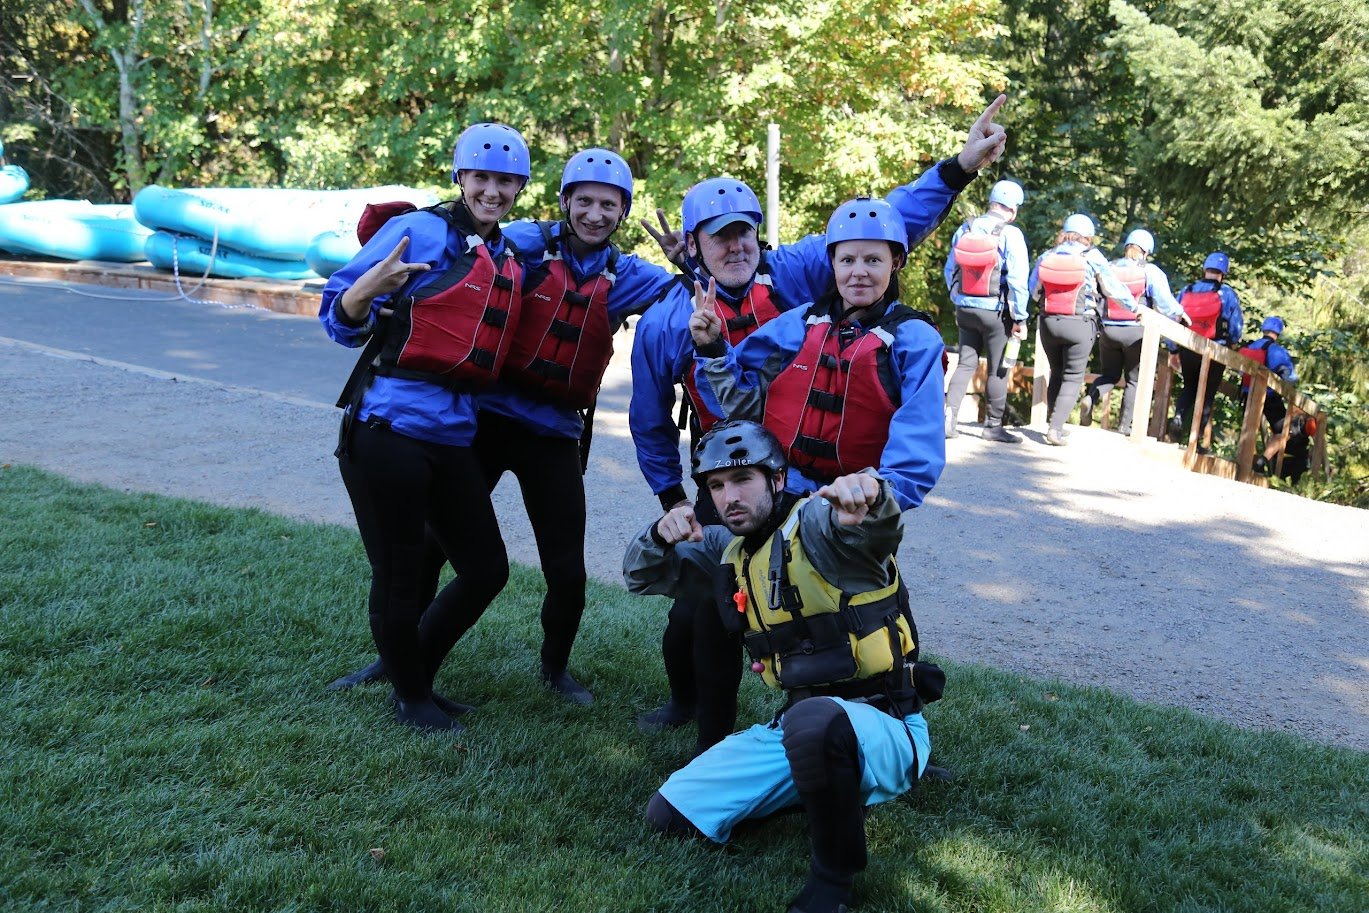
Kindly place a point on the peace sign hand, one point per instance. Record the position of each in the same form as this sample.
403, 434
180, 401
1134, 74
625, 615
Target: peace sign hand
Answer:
384, 277
672, 242
986, 140
704, 324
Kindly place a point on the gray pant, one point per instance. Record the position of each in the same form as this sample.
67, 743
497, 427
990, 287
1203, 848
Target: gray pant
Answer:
981, 334
1068, 342
1119, 353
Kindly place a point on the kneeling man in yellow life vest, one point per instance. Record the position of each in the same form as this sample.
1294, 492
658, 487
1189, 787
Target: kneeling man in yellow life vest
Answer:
811, 586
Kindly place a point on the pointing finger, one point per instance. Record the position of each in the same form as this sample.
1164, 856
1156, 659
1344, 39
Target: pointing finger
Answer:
987, 117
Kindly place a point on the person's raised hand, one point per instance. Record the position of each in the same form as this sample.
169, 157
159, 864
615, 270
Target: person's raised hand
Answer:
704, 324
680, 525
851, 497
986, 141
672, 242
384, 277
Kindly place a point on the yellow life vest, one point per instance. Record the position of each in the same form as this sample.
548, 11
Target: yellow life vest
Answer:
802, 631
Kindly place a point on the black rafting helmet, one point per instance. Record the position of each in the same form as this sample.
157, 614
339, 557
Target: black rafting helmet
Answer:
736, 443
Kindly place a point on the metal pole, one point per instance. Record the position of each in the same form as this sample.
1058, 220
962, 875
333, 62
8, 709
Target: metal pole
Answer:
772, 186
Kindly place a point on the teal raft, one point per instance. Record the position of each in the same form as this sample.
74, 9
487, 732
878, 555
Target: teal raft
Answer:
193, 257
331, 251
14, 183
73, 230
271, 224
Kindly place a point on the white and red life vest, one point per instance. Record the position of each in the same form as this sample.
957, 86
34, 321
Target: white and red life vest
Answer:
1133, 276
564, 341
739, 321
1203, 309
836, 366
978, 261
1064, 282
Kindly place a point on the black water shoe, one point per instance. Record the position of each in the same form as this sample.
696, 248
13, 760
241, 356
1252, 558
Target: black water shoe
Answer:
670, 715
375, 672
565, 685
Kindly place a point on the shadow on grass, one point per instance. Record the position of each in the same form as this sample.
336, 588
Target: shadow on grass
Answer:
169, 746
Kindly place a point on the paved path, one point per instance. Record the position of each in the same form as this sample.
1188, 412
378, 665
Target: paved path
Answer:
1100, 563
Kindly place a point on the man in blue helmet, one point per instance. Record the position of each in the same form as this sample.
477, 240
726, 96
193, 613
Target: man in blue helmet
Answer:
719, 241
577, 289
1267, 351
986, 275
810, 585
1215, 313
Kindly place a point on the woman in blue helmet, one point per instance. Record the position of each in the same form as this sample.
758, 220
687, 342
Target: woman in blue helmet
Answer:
1119, 345
422, 286
852, 381
1073, 280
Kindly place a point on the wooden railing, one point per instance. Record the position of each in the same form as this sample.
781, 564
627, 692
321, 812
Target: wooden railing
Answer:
1153, 399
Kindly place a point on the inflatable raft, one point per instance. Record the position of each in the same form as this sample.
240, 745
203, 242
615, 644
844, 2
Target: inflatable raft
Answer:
73, 230
14, 183
331, 251
193, 257
270, 224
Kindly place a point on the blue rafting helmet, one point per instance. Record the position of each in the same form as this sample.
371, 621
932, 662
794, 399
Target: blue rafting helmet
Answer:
1272, 325
865, 219
491, 147
719, 197
1218, 261
602, 167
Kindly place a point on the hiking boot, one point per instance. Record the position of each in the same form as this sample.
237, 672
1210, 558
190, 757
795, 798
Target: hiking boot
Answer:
1055, 437
1001, 435
375, 672
951, 429
566, 686
670, 715
1086, 411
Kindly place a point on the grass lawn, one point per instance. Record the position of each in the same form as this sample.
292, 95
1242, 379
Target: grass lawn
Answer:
167, 745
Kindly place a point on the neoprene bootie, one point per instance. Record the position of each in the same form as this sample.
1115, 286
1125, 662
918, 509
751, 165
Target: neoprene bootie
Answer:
375, 672
565, 685
670, 715
445, 704
424, 714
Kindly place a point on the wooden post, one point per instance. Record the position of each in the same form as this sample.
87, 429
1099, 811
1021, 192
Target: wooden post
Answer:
1250, 427
1041, 378
1145, 386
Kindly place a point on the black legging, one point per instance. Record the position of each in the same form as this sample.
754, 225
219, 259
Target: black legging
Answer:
1068, 342
1191, 364
400, 487
1119, 354
981, 334
703, 661
553, 485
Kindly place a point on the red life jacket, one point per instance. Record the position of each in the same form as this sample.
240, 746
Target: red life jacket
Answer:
978, 263
458, 328
805, 407
1257, 353
758, 308
1133, 276
1064, 281
563, 341
1203, 308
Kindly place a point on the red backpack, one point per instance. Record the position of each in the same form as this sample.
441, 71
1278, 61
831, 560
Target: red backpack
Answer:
1203, 308
1063, 281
